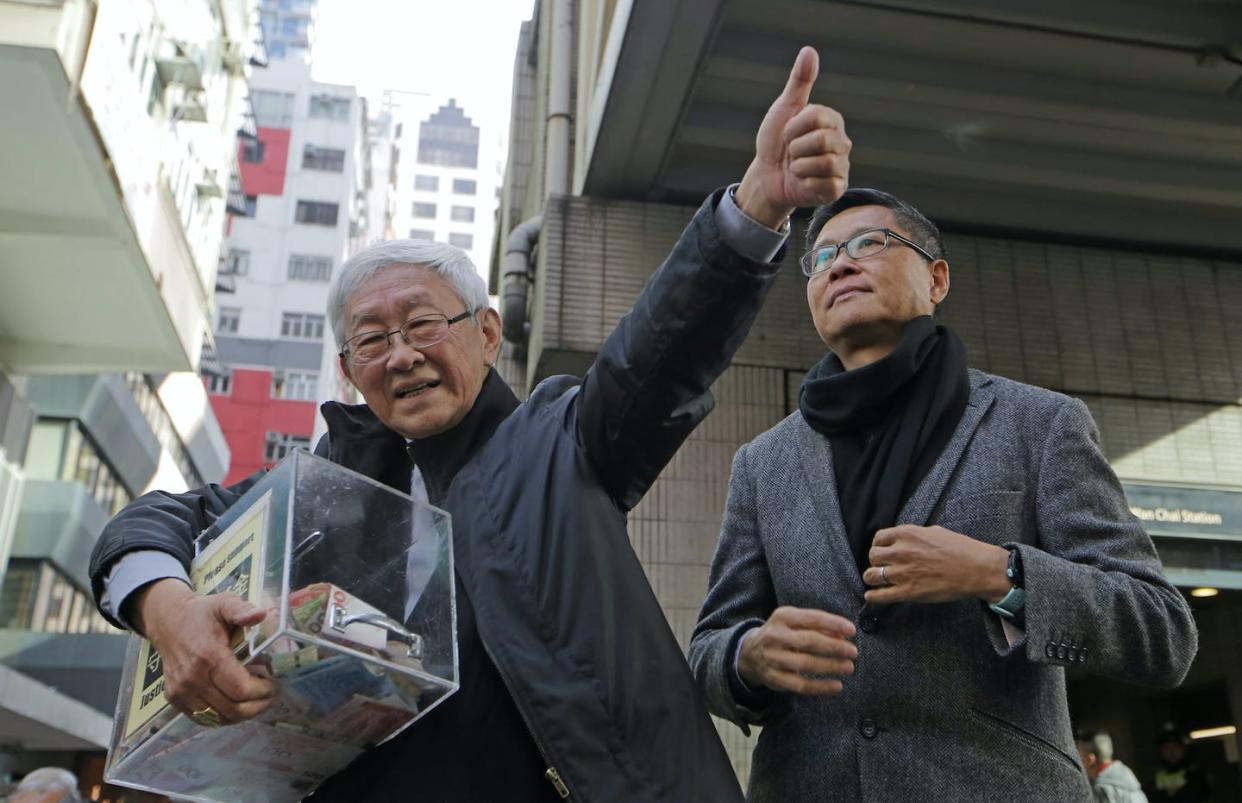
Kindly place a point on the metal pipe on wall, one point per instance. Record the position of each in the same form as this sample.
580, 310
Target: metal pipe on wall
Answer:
557, 124
516, 279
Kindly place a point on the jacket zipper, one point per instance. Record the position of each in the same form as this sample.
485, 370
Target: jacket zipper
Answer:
550, 773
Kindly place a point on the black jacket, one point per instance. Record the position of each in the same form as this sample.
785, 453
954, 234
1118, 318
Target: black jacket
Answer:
539, 532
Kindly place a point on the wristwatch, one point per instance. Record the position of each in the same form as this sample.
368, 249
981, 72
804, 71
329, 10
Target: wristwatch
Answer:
1010, 605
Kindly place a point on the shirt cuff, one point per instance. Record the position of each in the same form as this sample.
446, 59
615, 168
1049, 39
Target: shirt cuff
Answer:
745, 235
736, 677
134, 571
1013, 633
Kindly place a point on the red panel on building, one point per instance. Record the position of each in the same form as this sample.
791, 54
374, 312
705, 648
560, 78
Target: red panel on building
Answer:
249, 413
266, 177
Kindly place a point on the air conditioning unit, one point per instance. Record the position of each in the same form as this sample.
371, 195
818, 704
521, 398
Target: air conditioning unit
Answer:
235, 58
191, 107
180, 64
209, 185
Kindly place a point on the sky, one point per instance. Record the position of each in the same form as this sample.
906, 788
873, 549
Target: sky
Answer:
448, 48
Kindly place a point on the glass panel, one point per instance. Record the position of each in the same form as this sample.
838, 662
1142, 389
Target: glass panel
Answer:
362, 642
46, 449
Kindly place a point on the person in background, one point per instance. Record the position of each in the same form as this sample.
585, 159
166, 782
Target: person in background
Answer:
1179, 780
48, 785
1111, 780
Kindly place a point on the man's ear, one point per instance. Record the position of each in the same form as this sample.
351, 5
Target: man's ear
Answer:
940, 281
343, 364
490, 326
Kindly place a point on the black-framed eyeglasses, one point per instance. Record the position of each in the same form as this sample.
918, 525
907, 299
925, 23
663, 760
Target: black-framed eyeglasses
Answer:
422, 332
860, 246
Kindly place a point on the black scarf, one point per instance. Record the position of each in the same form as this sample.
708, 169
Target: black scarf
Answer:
887, 422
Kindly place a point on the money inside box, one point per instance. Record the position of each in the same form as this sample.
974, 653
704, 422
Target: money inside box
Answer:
357, 582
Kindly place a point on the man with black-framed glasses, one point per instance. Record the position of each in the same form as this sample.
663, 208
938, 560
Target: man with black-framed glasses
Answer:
572, 684
909, 561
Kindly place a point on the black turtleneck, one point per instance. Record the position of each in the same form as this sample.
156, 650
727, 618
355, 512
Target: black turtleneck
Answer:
475, 745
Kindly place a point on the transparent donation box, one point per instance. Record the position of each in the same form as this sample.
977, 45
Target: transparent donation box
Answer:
360, 638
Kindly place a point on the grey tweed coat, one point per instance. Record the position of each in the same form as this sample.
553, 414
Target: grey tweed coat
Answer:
943, 706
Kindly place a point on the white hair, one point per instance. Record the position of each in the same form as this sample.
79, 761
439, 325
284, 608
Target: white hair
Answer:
50, 779
452, 263
1100, 743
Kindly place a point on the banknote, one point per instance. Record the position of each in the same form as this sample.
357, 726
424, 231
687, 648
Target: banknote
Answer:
322, 687
365, 722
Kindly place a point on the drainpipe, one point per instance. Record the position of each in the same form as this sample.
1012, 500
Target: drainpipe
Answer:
516, 279
557, 124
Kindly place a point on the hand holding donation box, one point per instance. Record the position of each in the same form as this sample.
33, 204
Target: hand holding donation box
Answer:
360, 638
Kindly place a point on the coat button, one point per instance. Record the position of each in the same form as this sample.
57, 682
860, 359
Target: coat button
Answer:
1050, 650
870, 623
868, 728
1082, 655
1061, 652
1072, 654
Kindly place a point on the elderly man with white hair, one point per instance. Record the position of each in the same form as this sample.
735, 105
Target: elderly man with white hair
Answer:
572, 684
47, 785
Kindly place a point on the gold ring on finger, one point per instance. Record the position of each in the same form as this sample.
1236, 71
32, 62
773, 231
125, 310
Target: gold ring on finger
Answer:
207, 716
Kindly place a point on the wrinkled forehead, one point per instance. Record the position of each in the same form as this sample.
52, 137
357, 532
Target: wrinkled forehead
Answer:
856, 220
397, 292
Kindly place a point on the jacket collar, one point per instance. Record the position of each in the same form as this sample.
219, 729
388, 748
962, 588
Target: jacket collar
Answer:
357, 439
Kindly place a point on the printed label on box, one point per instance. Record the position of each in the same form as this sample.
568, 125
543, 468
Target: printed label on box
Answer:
229, 563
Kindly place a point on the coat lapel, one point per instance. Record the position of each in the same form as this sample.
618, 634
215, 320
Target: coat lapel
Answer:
924, 501
830, 549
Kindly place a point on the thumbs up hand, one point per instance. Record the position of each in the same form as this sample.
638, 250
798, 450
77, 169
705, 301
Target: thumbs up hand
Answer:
801, 152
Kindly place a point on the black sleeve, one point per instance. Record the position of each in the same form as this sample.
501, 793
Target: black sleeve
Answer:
162, 521
649, 385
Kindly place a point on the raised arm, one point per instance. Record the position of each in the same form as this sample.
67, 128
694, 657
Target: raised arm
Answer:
649, 385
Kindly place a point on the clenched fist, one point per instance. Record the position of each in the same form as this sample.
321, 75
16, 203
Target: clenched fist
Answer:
801, 650
801, 152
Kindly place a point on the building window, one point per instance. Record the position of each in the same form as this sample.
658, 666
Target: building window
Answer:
422, 234
228, 320
424, 210
60, 450
272, 109
39, 598
299, 385
220, 384
275, 49
237, 263
329, 106
301, 325
279, 444
462, 214
465, 241
331, 159
253, 150
310, 268
428, 183
464, 186
252, 205
317, 212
